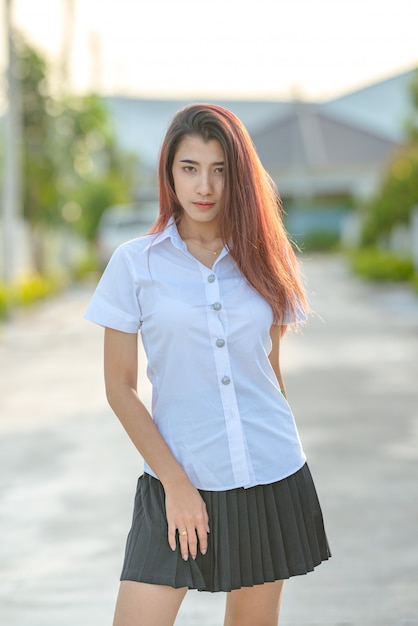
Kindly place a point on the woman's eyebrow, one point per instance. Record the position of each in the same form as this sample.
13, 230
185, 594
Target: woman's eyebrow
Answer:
197, 162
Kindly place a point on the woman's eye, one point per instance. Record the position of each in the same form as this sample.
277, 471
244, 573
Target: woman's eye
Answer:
189, 168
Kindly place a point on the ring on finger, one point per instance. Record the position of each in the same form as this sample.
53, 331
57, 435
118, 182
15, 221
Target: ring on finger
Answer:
183, 533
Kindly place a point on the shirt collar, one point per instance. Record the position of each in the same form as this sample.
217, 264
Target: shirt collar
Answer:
169, 232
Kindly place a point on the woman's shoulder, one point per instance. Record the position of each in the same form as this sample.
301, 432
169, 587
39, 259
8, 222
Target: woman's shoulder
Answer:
136, 246
135, 253
129, 256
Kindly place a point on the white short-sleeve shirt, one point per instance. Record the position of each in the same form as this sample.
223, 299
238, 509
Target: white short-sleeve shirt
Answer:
206, 333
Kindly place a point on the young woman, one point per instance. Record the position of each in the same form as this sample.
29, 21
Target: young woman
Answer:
226, 501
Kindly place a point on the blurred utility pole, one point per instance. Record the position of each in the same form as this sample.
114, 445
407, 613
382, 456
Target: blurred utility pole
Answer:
67, 43
96, 62
11, 200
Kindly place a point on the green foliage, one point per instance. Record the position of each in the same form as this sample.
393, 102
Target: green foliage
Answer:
34, 288
381, 266
72, 166
86, 266
412, 122
4, 301
28, 290
398, 193
396, 198
93, 196
40, 196
98, 174
320, 241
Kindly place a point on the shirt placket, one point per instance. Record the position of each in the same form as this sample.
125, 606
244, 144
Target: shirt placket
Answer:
218, 325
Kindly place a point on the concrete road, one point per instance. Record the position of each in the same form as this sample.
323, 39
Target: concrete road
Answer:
68, 471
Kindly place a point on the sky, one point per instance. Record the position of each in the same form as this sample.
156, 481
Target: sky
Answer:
250, 49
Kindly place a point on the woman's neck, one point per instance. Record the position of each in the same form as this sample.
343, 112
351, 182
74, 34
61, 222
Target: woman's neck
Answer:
205, 233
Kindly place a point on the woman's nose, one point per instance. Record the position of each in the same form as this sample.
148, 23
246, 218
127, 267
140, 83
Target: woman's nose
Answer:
205, 184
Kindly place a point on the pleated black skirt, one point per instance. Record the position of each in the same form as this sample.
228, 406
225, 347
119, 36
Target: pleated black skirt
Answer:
261, 534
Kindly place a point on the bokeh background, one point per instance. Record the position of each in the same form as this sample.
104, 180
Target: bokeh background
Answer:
329, 93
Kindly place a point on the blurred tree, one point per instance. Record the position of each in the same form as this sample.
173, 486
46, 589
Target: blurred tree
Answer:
72, 167
39, 166
412, 122
398, 193
96, 173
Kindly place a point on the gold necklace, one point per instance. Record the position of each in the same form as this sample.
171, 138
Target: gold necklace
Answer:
214, 252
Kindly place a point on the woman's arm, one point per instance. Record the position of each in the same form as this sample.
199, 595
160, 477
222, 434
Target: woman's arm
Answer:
274, 356
186, 509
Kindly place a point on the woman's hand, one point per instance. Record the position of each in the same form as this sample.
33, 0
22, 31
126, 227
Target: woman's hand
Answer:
186, 513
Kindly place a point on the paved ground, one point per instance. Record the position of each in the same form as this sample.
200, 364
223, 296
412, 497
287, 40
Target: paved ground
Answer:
68, 472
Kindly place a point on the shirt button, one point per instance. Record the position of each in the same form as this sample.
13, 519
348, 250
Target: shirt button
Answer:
226, 380
220, 343
211, 278
217, 306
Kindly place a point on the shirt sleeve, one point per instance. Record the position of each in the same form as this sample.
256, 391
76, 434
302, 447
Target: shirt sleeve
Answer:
115, 302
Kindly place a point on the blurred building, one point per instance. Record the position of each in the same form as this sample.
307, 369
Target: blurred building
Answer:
322, 165
323, 156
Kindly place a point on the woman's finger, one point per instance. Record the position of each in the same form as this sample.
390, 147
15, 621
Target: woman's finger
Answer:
172, 536
202, 534
184, 543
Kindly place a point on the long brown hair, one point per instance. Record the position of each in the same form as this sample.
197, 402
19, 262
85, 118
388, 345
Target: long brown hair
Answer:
251, 222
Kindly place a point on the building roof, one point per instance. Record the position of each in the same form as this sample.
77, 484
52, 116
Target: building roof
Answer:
377, 111
309, 138
382, 107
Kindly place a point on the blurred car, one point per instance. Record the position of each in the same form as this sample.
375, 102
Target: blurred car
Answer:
122, 222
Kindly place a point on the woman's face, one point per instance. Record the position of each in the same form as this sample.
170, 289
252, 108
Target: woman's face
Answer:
198, 174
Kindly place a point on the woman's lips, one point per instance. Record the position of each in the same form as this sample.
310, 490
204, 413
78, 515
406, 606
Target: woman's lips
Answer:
204, 205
